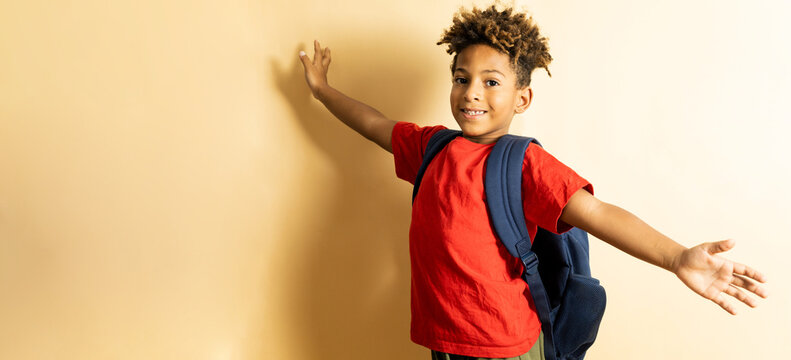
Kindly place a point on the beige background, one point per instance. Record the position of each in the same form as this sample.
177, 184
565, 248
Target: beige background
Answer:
170, 190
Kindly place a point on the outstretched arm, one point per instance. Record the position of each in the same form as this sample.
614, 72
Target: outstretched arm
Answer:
362, 118
706, 273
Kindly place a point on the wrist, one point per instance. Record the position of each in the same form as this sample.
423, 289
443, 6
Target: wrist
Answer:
674, 261
320, 93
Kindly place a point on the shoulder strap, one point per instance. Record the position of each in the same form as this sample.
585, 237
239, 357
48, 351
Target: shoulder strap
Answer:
437, 142
503, 186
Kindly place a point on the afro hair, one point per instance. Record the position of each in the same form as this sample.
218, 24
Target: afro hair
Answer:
510, 32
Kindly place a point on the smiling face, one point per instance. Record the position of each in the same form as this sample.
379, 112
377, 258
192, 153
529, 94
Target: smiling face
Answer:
484, 97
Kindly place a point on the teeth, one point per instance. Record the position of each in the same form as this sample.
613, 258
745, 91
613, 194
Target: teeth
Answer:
479, 112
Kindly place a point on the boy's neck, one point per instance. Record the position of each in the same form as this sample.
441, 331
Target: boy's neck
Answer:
483, 140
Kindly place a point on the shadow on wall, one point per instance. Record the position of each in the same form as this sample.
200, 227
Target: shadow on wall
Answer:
351, 286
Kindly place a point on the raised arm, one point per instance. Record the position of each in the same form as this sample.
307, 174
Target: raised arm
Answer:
364, 119
699, 267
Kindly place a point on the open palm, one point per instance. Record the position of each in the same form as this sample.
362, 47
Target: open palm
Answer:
712, 276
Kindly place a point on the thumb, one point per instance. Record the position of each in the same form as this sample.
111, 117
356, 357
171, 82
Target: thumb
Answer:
304, 58
720, 246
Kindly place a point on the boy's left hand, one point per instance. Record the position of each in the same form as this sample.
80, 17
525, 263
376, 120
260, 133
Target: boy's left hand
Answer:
712, 276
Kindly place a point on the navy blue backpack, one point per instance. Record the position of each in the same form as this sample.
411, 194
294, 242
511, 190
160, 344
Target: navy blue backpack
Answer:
570, 303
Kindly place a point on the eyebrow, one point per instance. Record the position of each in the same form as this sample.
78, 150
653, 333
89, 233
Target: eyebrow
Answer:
486, 71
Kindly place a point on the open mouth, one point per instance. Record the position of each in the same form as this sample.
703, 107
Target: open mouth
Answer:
472, 113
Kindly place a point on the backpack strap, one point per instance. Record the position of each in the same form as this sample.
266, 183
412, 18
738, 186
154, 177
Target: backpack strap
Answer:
437, 142
503, 186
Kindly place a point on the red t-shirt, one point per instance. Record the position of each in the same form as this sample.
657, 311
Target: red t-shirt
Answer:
468, 297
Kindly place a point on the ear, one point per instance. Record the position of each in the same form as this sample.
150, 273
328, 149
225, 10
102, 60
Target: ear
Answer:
524, 97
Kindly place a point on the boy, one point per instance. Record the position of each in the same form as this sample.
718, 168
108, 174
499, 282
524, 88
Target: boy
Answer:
468, 297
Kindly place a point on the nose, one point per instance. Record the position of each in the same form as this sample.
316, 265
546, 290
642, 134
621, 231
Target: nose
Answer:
473, 93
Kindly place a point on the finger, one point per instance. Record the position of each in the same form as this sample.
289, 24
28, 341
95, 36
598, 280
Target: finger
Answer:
745, 270
317, 52
741, 296
327, 58
304, 58
720, 300
720, 246
749, 285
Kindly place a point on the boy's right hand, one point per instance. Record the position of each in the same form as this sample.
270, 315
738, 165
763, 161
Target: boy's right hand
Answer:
316, 70
364, 119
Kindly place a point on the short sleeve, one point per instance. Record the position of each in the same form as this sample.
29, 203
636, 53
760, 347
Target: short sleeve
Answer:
409, 143
547, 186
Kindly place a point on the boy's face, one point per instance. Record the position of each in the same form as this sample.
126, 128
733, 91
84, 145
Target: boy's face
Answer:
484, 97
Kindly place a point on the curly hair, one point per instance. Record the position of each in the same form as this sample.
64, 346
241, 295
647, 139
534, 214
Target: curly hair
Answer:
511, 33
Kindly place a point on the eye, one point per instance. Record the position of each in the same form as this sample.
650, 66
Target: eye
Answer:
492, 83
460, 80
